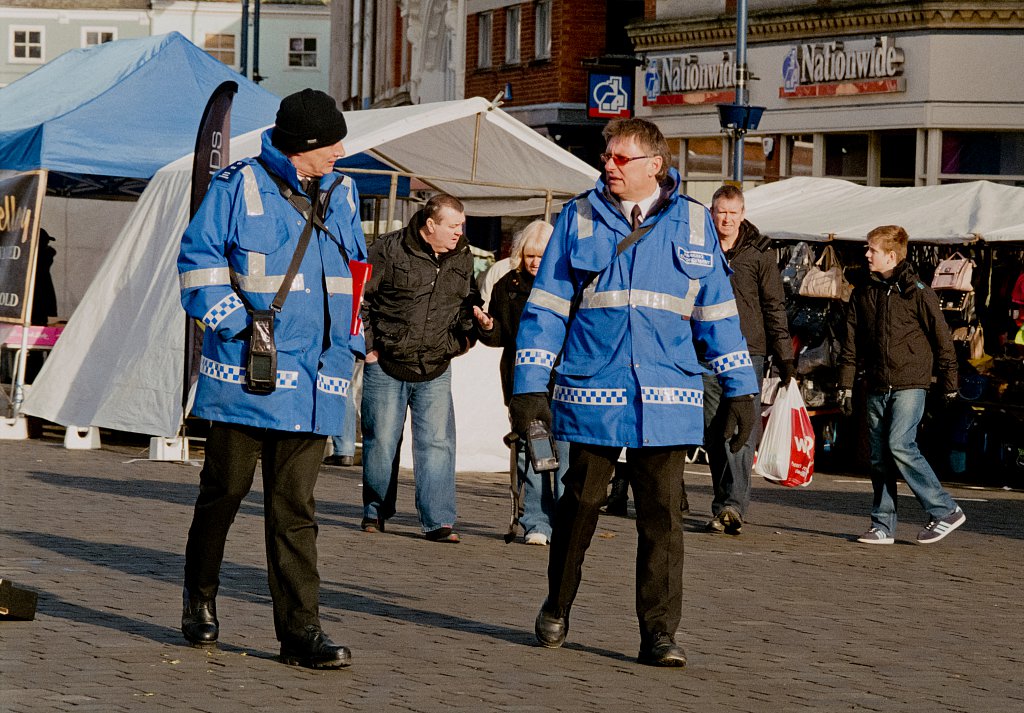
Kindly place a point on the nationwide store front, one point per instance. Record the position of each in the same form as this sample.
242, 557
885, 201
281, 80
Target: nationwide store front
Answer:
881, 94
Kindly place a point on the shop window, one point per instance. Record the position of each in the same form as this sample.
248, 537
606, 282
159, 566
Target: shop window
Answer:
983, 154
513, 21
221, 46
801, 155
898, 154
542, 30
98, 35
484, 28
302, 52
704, 156
26, 45
846, 156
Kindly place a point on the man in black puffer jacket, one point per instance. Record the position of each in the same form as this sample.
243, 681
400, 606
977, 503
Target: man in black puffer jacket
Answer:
418, 316
896, 334
761, 303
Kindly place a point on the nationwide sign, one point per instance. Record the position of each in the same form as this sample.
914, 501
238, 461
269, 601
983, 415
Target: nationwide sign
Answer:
690, 79
840, 68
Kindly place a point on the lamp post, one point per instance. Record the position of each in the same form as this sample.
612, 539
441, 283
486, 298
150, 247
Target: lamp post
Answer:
739, 117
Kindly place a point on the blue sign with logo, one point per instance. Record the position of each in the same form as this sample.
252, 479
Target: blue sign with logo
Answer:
610, 96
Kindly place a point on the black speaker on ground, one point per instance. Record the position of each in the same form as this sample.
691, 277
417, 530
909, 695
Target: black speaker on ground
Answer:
16, 603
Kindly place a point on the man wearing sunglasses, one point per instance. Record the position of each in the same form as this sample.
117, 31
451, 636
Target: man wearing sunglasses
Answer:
632, 287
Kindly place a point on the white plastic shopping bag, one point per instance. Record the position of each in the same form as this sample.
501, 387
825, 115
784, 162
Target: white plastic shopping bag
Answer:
786, 455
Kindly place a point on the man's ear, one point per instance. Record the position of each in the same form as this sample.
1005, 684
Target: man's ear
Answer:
656, 167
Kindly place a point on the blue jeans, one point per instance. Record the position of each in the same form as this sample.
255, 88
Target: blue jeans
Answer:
385, 402
893, 418
345, 444
541, 491
730, 472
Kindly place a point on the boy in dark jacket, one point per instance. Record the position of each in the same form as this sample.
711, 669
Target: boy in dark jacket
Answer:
896, 333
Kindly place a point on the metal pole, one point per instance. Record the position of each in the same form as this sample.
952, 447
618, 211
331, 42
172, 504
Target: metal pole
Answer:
742, 96
256, 43
243, 63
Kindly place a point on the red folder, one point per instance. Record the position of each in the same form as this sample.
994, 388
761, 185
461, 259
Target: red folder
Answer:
361, 272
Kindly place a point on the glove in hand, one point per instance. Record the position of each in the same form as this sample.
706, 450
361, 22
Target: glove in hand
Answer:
739, 421
846, 402
787, 370
523, 409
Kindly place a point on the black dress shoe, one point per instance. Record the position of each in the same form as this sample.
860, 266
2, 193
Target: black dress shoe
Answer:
199, 620
344, 461
663, 651
550, 628
313, 649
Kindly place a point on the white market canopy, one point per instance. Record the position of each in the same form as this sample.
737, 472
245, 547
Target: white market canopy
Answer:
119, 361
826, 208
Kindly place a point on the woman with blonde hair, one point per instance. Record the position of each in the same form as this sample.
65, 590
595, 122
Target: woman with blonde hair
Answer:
498, 328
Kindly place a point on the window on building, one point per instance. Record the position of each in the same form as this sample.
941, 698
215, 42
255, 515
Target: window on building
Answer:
98, 35
542, 30
846, 156
221, 46
801, 155
302, 52
484, 27
983, 155
26, 45
897, 157
513, 22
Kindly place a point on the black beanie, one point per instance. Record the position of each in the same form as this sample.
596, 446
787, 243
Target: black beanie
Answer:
307, 120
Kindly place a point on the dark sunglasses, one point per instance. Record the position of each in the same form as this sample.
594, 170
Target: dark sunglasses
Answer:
619, 160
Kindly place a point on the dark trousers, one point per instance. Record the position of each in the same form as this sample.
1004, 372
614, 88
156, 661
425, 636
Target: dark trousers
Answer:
291, 462
658, 490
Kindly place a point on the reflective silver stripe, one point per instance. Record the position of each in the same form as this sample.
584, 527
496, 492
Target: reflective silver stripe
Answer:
728, 362
251, 192
537, 357
236, 374
696, 223
257, 264
220, 311
268, 283
332, 385
205, 277
636, 298
711, 313
347, 182
338, 285
584, 218
590, 397
545, 299
671, 395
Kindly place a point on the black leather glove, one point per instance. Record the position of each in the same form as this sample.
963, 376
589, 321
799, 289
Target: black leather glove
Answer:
523, 409
739, 419
787, 370
846, 402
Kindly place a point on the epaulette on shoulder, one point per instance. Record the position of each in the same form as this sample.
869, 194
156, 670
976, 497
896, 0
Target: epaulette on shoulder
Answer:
231, 171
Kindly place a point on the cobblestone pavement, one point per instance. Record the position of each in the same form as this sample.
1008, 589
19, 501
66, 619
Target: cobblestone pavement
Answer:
791, 616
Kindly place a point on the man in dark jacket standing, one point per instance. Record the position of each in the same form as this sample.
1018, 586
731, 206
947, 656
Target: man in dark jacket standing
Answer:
896, 334
761, 303
418, 314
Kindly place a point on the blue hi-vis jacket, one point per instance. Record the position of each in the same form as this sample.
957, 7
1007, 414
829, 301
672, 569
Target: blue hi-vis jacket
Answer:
246, 229
629, 373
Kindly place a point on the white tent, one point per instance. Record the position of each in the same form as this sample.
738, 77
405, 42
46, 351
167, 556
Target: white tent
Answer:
826, 208
118, 363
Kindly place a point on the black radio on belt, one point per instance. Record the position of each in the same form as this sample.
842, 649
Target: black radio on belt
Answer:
261, 367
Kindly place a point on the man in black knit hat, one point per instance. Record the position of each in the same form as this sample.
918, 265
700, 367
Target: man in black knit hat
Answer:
267, 255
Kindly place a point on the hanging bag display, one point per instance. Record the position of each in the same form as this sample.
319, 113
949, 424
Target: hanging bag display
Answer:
826, 279
954, 273
786, 455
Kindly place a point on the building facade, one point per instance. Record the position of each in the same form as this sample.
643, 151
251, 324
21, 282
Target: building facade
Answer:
292, 51
878, 93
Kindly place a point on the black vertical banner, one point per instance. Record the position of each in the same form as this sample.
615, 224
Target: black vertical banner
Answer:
213, 144
21, 195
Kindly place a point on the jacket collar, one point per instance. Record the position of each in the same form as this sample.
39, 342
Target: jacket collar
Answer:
610, 206
904, 278
279, 163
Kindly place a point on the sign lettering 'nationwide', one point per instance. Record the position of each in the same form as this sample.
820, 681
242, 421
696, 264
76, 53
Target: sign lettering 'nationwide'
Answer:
690, 79
20, 196
831, 68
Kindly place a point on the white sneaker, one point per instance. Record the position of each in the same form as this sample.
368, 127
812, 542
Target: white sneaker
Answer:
537, 538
